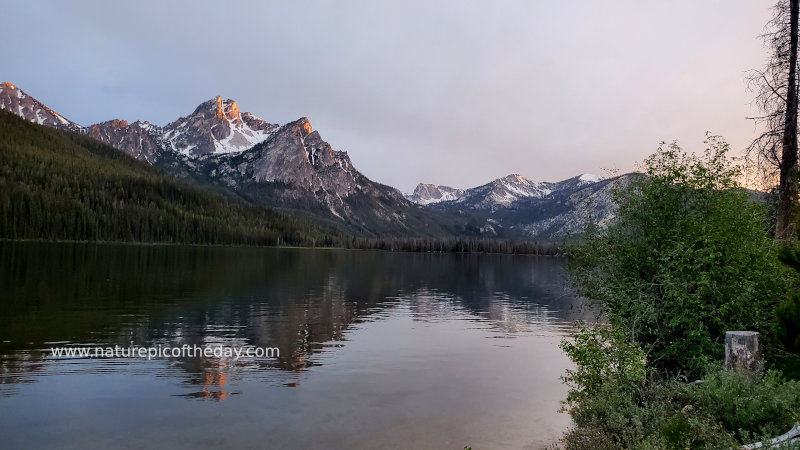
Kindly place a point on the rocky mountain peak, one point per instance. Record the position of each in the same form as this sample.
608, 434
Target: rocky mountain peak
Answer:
216, 126
516, 177
302, 127
425, 194
305, 125
227, 110
16, 101
217, 108
119, 122
424, 188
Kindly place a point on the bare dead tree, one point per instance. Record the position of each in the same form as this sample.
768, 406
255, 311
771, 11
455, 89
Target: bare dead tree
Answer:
776, 87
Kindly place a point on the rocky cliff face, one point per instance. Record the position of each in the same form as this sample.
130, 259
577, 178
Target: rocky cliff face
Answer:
138, 139
16, 101
293, 155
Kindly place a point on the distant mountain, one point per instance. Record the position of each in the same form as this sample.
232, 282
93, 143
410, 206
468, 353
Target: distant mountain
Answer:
499, 193
291, 167
567, 209
514, 205
425, 194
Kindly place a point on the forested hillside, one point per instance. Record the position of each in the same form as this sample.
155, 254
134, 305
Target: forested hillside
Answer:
62, 186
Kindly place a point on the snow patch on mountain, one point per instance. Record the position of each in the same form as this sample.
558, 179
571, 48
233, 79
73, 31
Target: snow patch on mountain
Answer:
588, 178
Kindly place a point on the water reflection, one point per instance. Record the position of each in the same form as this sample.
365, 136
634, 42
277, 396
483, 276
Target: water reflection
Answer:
296, 300
308, 303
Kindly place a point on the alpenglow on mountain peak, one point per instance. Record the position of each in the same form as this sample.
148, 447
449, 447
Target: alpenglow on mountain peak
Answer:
16, 101
226, 109
215, 126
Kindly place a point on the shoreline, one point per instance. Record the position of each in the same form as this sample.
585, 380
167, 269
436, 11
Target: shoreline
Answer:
559, 253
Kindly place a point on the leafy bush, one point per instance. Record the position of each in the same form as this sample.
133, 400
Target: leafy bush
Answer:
686, 260
602, 356
748, 406
728, 409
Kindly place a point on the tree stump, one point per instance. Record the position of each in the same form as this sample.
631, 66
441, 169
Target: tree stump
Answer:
742, 350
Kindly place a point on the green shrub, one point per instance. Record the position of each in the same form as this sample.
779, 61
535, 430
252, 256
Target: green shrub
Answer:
728, 409
602, 356
749, 406
686, 260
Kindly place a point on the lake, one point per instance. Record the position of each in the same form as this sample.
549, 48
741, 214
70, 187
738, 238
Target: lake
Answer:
376, 349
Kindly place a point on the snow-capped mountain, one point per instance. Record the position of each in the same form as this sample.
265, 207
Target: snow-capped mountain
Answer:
503, 192
567, 209
15, 100
499, 193
515, 205
216, 126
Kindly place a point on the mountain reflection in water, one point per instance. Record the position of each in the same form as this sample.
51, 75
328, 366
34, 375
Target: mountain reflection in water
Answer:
394, 312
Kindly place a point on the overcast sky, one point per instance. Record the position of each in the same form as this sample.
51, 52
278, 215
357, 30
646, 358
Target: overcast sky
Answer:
445, 92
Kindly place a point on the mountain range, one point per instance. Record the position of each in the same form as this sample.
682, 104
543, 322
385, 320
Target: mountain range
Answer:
292, 168
516, 206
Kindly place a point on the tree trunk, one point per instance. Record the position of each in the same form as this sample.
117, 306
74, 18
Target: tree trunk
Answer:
787, 185
742, 351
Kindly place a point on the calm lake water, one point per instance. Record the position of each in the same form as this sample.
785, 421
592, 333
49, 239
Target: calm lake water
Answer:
377, 350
